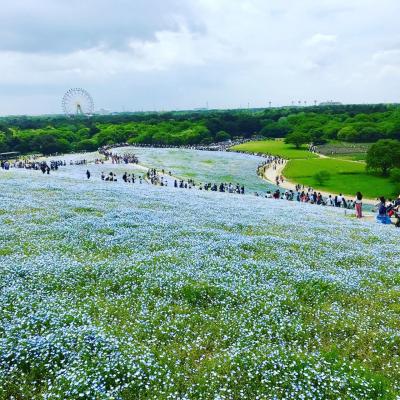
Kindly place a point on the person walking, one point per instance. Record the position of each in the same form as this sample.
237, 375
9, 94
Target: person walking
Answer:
88, 174
358, 204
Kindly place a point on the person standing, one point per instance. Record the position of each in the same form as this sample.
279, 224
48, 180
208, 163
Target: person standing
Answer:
88, 174
358, 204
339, 200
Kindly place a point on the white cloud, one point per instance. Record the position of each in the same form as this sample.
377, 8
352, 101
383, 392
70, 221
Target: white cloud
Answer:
225, 52
320, 38
391, 56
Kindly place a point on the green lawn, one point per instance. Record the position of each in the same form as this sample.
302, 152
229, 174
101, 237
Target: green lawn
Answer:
276, 148
346, 177
351, 156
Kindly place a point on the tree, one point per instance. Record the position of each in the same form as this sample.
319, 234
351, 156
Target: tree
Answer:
361, 123
297, 138
63, 146
48, 144
348, 133
93, 130
275, 129
370, 134
86, 144
384, 155
317, 136
222, 136
3, 143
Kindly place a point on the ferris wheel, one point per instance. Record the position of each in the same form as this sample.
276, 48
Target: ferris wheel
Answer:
77, 101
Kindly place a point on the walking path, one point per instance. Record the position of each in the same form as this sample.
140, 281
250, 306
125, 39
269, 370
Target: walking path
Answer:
270, 175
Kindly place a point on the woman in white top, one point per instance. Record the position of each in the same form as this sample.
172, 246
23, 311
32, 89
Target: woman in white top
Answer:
358, 204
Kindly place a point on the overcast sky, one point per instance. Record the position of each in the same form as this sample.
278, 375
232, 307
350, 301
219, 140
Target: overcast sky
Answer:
171, 54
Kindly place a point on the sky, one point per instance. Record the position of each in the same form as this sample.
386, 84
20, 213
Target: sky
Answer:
134, 55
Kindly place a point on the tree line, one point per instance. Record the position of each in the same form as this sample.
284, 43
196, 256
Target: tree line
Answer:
58, 134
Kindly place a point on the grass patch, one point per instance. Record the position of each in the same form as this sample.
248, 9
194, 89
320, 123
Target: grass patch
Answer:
208, 162
5, 251
106, 231
275, 147
201, 294
347, 177
88, 210
315, 291
351, 156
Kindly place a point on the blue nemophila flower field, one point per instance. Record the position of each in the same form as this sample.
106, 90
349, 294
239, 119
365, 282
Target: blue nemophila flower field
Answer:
113, 291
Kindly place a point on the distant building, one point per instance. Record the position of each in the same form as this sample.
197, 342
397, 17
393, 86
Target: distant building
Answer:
102, 111
331, 103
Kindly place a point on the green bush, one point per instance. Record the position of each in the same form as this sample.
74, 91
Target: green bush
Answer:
222, 136
395, 175
395, 178
321, 177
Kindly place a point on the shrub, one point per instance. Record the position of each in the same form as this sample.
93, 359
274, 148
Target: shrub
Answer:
322, 176
395, 178
395, 175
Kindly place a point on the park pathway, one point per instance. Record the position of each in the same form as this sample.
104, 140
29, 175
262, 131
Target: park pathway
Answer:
270, 175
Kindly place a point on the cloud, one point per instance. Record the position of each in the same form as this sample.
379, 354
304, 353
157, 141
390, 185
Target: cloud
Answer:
387, 63
65, 26
169, 54
321, 39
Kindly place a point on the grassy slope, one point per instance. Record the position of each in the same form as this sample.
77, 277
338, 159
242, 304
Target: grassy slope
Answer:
275, 147
346, 176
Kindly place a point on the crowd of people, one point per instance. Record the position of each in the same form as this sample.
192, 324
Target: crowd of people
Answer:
112, 177
385, 209
269, 161
155, 178
223, 187
78, 162
309, 195
44, 166
163, 178
217, 146
126, 158
312, 148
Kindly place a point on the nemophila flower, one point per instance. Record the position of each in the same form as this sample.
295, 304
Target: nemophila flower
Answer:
114, 292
